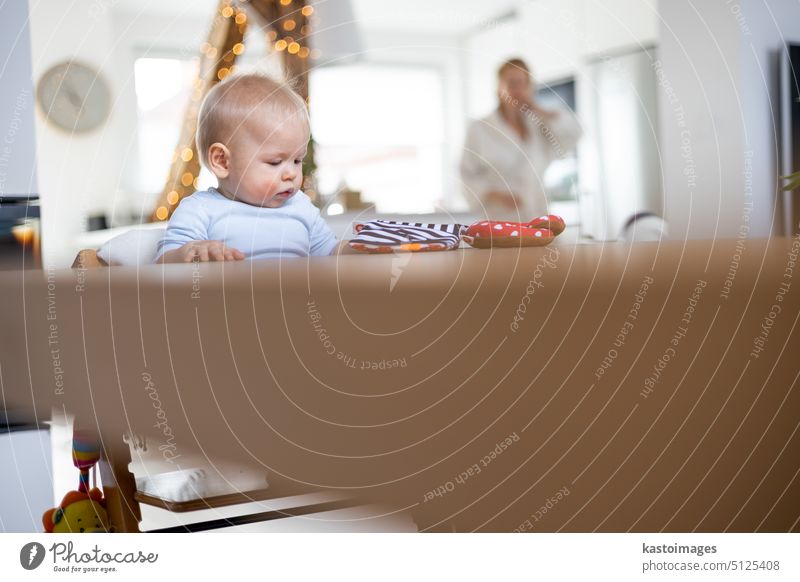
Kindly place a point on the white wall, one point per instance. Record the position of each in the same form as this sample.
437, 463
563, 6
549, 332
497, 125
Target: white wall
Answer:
701, 119
720, 61
79, 174
17, 134
443, 53
485, 48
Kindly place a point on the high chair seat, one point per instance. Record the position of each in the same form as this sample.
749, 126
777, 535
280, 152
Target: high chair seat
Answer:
200, 488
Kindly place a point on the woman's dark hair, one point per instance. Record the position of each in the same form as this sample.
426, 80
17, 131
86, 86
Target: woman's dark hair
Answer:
515, 63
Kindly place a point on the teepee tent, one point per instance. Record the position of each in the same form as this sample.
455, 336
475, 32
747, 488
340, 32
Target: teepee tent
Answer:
287, 26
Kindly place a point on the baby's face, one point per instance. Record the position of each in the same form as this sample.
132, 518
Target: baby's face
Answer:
266, 162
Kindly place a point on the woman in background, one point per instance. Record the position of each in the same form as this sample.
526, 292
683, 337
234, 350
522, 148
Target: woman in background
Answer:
506, 153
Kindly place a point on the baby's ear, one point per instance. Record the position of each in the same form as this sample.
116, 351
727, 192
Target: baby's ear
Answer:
219, 158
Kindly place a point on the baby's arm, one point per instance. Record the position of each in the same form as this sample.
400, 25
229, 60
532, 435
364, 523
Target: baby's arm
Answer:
323, 241
186, 237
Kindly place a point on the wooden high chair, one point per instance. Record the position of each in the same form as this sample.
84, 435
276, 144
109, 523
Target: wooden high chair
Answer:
123, 499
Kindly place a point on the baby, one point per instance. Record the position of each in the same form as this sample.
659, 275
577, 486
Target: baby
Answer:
252, 134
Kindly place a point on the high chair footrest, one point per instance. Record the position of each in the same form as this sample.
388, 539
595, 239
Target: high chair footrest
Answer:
204, 502
321, 507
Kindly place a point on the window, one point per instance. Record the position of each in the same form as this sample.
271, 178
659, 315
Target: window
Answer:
163, 88
379, 129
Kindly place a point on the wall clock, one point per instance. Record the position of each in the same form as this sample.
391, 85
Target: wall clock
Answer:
74, 97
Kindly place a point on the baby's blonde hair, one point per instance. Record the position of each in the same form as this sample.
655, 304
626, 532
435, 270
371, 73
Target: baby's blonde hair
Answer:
226, 108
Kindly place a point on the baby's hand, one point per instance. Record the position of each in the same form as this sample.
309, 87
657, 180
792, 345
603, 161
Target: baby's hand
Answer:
203, 251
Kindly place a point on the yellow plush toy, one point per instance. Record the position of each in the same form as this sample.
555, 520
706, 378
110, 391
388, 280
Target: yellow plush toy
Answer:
84, 510
78, 512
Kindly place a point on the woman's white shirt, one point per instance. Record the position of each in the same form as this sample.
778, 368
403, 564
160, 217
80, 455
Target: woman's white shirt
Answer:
496, 158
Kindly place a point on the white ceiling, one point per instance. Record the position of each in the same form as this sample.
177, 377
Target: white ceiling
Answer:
444, 16
171, 7
428, 16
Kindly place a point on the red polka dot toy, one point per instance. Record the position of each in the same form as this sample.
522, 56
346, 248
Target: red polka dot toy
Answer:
499, 233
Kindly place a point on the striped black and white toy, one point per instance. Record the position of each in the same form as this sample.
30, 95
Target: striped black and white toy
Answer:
384, 236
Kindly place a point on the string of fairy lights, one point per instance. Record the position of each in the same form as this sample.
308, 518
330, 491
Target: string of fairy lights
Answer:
288, 32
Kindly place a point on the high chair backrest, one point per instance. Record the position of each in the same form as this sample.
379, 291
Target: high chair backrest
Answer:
123, 500
88, 259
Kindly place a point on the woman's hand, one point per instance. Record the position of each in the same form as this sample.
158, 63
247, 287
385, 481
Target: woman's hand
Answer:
202, 251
